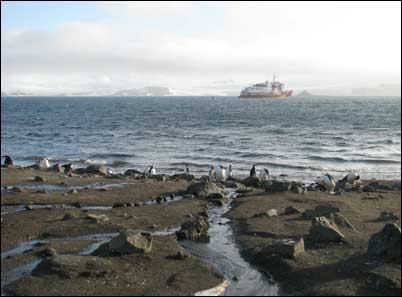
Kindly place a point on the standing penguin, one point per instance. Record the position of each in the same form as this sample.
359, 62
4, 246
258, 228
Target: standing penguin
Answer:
187, 169
230, 171
8, 161
151, 170
44, 163
253, 171
329, 183
68, 168
264, 175
220, 173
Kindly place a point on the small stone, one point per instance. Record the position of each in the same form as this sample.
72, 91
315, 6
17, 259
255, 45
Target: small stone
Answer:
39, 179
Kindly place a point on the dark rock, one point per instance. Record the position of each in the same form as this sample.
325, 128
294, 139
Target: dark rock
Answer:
70, 266
188, 196
68, 216
28, 207
386, 244
215, 196
96, 169
251, 181
287, 248
340, 220
50, 252
118, 204
76, 204
297, 188
17, 189
183, 176
388, 216
277, 186
202, 188
131, 241
292, 210
39, 179
323, 230
270, 213
196, 230
397, 186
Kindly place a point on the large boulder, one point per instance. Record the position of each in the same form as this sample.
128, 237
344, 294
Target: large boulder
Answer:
70, 266
323, 230
202, 188
251, 181
277, 186
196, 230
386, 244
340, 220
96, 169
131, 241
287, 248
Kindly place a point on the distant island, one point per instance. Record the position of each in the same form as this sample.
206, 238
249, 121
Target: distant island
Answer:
305, 93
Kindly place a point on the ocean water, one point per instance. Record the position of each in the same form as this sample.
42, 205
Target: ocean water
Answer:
300, 137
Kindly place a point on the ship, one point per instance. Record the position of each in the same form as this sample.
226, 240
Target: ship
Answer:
274, 89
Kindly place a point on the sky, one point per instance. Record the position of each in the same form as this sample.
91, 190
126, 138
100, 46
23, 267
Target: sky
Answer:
199, 47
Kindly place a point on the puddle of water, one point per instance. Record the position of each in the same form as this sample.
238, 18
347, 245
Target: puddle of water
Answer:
223, 253
9, 209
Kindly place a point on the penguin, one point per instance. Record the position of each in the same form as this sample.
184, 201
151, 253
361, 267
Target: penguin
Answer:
264, 175
253, 172
44, 163
351, 178
68, 168
151, 170
187, 169
8, 161
212, 173
220, 173
230, 171
109, 171
329, 183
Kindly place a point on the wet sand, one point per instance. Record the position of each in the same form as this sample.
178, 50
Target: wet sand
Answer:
324, 269
332, 269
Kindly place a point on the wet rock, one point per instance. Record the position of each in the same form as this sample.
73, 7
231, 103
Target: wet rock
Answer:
323, 230
374, 186
202, 188
251, 181
183, 176
397, 186
159, 200
188, 196
50, 252
277, 186
387, 216
340, 220
39, 179
97, 218
137, 204
287, 248
215, 196
17, 189
132, 172
386, 244
131, 241
68, 216
204, 214
196, 230
158, 177
70, 266
320, 211
72, 191
298, 188
57, 168
292, 210
76, 204
96, 169
118, 204
28, 207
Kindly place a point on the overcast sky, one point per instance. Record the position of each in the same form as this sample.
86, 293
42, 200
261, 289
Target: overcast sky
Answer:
96, 46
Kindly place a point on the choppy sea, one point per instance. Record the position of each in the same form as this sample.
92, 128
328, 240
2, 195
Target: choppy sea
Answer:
302, 137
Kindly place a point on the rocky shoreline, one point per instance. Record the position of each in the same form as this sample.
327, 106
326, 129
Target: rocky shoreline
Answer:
309, 241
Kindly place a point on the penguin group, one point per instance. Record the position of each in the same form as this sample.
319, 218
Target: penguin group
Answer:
331, 184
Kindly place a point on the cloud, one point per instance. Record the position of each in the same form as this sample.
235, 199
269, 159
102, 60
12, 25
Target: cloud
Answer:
305, 43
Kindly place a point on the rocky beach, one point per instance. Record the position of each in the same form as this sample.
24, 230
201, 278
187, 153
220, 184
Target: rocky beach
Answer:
94, 233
